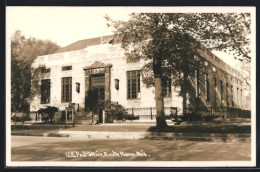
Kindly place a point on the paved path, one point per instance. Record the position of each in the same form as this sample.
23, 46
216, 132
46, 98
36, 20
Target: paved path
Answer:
110, 135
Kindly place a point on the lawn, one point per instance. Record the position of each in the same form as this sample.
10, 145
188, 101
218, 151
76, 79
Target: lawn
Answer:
155, 150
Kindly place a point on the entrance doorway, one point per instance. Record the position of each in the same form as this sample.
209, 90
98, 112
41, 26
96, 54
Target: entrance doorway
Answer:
97, 84
100, 116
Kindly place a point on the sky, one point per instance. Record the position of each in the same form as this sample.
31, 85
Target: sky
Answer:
65, 25
61, 25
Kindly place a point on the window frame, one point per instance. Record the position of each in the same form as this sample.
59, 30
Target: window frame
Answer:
232, 96
129, 85
227, 94
48, 97
64, 91
167, 86
66, 68
197, 83
206, 78
221, 92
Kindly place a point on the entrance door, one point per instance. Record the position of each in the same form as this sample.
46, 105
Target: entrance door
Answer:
100, 116
98, 86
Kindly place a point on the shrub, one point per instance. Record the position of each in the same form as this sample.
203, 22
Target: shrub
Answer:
192, 117
48, 113
19, 119
119, 111
208, 118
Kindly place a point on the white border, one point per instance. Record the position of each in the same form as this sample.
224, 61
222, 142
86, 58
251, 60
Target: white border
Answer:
186, 9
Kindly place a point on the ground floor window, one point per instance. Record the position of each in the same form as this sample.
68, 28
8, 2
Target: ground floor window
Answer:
66, 95
45, 91
133, 84
197, 80
221, 91
232, 96
167, 88
215, 89
238, 101
206, 79
227, 94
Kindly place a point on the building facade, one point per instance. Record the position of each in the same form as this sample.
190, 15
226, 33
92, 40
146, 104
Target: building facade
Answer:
95, 64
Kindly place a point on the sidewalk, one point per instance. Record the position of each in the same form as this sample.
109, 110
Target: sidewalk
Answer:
117, 135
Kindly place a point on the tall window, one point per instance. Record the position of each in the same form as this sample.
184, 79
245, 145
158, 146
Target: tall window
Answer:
206, 79
227, 93
45, 91
215, 89
66, 95
241, 97
197, 93
167, 88
221, 91
232, 95
237, 96
133, 84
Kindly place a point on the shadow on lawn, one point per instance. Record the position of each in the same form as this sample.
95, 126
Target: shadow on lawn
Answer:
223, 133
246, 129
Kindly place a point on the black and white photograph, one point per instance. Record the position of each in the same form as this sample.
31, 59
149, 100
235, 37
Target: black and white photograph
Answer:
130, 86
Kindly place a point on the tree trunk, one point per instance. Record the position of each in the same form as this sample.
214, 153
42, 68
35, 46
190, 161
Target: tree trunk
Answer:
160, 116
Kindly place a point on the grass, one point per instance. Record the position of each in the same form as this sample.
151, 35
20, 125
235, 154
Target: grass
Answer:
34, 132
37, 130
204, 129
157, 150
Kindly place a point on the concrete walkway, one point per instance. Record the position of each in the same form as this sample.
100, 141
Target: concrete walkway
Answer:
211, 137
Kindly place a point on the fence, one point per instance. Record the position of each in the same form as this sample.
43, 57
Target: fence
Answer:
149, 113
228, 112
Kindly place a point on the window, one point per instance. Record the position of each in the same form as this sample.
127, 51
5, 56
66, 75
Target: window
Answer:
232, 93
241, 97
167, 88
45, 70
206, 79
221, 91
197, 93
215, 89
237, 96
133, 84
66, 94
45, 91
132, 59
227, 93
64, 68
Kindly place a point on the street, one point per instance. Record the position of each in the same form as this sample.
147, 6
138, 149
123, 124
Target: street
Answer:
31, 148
